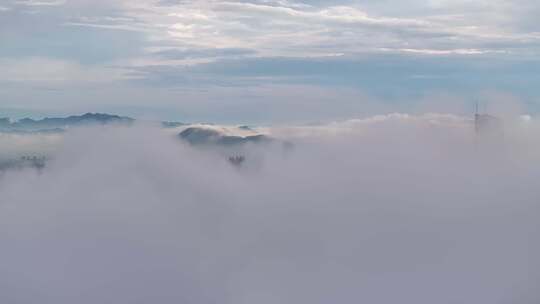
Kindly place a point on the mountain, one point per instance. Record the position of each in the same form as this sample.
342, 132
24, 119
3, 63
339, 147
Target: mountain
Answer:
172, 124
200, 134
209, 136
59, 124
4, 122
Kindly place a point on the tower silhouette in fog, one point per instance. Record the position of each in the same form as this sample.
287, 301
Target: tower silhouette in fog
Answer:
488, 129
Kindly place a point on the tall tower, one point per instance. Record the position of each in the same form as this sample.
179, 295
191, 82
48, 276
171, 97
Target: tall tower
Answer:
488, 128
476, 119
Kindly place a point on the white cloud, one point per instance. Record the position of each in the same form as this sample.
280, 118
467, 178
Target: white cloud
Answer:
41, 2
290, 28
445, 52
398, 210
272, 28
284, 28
16, 145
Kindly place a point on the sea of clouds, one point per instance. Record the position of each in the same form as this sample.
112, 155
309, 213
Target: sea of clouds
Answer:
389, 209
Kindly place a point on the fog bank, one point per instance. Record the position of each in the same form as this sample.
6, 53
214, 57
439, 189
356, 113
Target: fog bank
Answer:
391, 209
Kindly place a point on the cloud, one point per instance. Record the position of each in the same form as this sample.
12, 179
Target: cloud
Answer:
41, 2
395, 208
450, 46
16, 145
289, 28
43, 71
194, 53
262, 24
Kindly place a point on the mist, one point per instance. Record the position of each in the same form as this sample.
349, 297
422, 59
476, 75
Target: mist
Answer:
14, 145
389, 209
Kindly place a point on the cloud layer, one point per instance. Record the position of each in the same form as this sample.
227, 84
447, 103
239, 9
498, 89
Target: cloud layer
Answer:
389, 209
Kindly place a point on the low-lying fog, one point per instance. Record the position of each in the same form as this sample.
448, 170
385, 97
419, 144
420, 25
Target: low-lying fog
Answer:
392, 209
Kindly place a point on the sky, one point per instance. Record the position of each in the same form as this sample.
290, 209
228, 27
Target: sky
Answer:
265, 61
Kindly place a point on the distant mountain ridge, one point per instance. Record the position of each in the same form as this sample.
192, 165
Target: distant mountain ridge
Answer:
195, 134
205, 136
229, 141
58, 124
